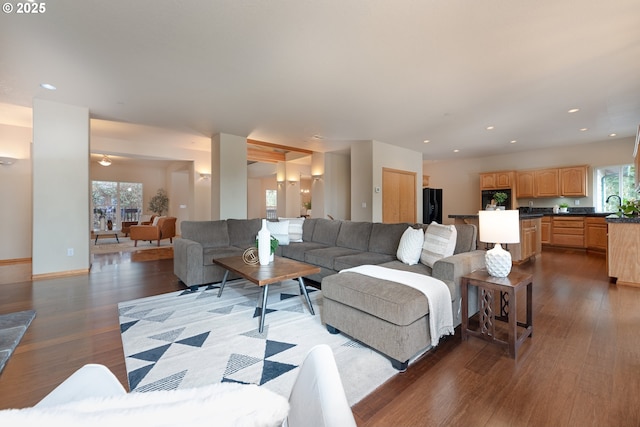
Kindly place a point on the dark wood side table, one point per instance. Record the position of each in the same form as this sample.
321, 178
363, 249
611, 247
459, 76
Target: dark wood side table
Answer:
507, 287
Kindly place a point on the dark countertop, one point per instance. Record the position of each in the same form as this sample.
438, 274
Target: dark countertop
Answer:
522, 216
623, 219
596, 214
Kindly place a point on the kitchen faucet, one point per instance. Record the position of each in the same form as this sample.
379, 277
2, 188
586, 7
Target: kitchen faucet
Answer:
617, 197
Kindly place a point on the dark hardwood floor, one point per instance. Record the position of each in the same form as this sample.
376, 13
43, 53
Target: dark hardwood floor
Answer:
581, 368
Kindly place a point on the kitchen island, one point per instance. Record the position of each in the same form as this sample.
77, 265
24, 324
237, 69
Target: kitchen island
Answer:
530, 244
623, 256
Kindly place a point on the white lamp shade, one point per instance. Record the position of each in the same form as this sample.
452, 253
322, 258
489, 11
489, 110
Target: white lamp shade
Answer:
499, 226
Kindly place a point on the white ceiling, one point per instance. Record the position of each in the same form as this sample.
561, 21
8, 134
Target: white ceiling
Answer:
283, 71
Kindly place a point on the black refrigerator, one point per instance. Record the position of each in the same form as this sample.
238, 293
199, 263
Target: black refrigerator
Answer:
431, 205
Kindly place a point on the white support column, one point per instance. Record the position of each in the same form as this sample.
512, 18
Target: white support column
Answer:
61, 189
228, 176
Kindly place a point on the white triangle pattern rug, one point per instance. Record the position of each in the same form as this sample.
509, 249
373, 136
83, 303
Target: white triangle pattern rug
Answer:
189, 339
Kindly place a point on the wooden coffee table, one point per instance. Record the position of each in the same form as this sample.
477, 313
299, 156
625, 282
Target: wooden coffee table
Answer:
264, 275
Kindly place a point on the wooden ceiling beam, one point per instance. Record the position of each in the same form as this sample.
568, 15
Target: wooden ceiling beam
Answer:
264, 156
277, 146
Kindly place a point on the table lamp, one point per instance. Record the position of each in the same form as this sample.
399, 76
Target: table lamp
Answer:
499, 227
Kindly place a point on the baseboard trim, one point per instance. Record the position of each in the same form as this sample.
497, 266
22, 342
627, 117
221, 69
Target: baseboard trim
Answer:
14, 261
59, 274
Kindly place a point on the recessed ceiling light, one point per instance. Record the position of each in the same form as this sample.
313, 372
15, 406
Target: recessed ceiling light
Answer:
318, 137
584, 129
426, 141
490, 127
456, 151
513, 141
47, 86
573, 110
612, 134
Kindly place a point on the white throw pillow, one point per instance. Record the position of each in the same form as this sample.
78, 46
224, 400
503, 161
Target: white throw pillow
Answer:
410, 246
279, 230
439, 242
156, 219
295, 228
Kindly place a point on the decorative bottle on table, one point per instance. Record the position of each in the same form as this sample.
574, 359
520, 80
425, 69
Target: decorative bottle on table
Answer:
264, 244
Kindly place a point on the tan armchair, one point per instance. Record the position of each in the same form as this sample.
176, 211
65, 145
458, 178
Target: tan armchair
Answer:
165, 228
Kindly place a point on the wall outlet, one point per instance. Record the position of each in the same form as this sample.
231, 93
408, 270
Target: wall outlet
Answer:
69, 251
576, 202
364, 204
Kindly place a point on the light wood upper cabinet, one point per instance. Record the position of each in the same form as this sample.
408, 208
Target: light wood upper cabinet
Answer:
524, 187
546, 183
573, 181
550, 182
496, 180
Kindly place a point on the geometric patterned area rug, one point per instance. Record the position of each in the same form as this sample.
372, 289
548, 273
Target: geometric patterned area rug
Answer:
12, 329
188, 339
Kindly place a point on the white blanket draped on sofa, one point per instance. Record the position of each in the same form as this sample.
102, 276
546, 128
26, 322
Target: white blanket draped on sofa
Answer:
436, 291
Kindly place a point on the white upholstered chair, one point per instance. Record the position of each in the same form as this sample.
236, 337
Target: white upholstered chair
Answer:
317, 397
89, 381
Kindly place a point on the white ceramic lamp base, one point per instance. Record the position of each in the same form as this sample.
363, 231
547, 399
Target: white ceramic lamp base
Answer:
498, 261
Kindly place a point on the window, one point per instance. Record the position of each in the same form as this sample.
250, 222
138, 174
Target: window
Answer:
272, 204
116, 201
613, 180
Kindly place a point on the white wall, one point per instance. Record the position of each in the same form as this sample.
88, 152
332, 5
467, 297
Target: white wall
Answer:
460, 179
15, 188
60, 188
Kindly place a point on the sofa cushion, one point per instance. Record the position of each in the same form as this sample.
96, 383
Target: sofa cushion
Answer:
361, 258
410, 246
326, 231
210, 234
279, 230
325, 257
354, 235
439, 242
390, 301
209, 254
243, 232
385, 238
308, 226
296, 250
466, 240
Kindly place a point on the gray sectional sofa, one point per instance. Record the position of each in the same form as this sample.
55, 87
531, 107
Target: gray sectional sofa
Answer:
384, 315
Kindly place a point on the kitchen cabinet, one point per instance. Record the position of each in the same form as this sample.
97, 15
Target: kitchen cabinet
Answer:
530, 240
546, 183
496, 180
596, 233
573, 181
552, 182
623, 253
567, 231
525, 184
545, 230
